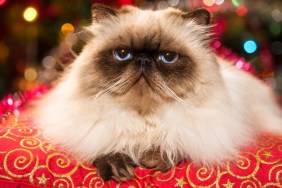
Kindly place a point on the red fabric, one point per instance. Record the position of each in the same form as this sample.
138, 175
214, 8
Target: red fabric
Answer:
27, 160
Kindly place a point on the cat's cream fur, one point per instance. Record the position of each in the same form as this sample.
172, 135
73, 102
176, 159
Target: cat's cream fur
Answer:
225, 111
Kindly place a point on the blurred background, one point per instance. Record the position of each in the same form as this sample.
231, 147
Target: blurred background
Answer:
36, 36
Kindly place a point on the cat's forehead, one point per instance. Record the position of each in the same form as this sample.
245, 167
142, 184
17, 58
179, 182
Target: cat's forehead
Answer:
144, 30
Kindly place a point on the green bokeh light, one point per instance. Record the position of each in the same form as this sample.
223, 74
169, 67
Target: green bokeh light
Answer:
236, 3
275, 28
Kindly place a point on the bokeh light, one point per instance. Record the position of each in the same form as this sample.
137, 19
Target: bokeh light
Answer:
239, 64
236, 3
67, 28
2, 2
173, 2
276, 15
275, 28
209, 3
219, 2
49, 62
30, 14
30, 74
241, 11
250, 46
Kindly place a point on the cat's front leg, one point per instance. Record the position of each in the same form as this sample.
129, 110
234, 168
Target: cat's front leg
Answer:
117, 166
154, 159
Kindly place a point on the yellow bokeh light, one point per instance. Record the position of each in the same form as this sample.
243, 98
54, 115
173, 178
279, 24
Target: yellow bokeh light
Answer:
30, 74
209, 3
30, 14
67, 28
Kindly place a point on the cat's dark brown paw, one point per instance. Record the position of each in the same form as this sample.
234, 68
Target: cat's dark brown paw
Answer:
115, 166
153, 159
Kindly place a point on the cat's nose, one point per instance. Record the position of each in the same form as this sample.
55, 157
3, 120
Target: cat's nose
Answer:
143, 60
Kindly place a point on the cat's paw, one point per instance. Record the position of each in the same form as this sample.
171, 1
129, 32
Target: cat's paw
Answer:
116, 166
153, 159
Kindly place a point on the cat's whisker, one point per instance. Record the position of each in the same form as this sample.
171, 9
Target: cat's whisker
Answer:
106, 89
170, 92
114, 86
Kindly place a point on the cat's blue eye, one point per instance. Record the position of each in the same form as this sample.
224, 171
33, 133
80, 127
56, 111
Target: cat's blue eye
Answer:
168, 57
122, 54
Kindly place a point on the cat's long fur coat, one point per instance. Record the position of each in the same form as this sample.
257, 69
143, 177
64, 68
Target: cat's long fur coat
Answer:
201, 108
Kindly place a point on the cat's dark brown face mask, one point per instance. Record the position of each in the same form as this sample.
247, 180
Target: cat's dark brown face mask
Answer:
142, 57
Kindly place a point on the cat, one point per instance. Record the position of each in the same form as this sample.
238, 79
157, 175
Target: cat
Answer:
148, 90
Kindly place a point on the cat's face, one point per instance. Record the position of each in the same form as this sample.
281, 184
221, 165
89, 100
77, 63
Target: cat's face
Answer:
147, 54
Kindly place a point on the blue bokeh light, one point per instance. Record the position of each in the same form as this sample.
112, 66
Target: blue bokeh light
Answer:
250, 46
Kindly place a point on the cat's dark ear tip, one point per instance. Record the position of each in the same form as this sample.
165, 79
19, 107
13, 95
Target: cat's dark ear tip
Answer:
101, 11
201, 16
204, 15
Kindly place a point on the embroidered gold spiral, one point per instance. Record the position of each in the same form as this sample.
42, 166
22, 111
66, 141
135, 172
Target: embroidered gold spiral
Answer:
249, 184
60, 165
63, 183
244, 167
24, 132
22, 165
265, 156
30, 143
277, 170
91, 180
205, 175
162, 177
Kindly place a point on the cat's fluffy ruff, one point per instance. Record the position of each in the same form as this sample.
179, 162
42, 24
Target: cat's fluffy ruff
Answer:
224, 112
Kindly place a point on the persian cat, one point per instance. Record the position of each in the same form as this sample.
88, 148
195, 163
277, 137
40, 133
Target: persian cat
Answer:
147, 90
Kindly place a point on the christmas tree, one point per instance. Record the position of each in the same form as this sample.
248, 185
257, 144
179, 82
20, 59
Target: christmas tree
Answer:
34, 33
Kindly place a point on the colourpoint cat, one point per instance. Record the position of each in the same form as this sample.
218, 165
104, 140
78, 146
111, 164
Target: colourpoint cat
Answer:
148, 90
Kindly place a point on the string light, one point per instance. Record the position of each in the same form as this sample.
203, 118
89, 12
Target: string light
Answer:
30, 14
250, 46
209, 3
67, 28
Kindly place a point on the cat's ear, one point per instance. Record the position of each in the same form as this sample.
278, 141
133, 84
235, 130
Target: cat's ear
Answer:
201, 16
101, 12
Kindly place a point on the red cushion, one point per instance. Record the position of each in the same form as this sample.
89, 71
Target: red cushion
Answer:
28, 161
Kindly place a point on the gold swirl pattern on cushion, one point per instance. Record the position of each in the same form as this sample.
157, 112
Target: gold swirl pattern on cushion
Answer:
28, 158
60, 165
165, 176
20, 163
30, 143
246, 166
201, 176
63, 183
275, 174
24, 132
250, 184
91, 180
266, 156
